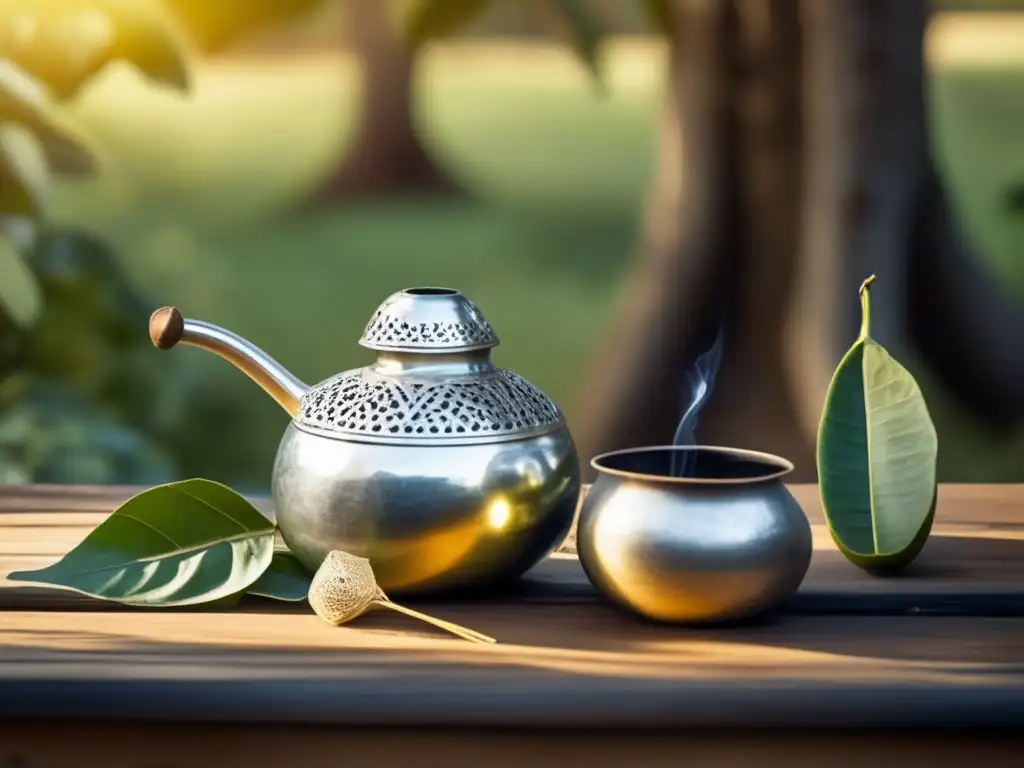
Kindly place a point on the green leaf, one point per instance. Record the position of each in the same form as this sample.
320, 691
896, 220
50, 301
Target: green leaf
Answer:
65, 43
23, 102
586, 34
23, 180
20, 297
434, 19
661, 16
877, 453
184, 543
286, 579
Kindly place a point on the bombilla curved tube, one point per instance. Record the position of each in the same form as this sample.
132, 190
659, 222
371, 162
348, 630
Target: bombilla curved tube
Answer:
167, 328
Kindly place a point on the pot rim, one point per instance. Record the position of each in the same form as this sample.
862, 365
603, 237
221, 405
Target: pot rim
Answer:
776, 465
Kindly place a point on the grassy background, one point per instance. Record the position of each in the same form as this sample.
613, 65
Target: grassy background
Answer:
198, 194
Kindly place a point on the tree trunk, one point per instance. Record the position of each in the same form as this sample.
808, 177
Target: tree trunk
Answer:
719, 243
668, 311
794, 162
867, 153
387, 156
967, 325
874, 203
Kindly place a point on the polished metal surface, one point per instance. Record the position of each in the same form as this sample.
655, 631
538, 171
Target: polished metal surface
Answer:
442, 469
428, 320
275, 380
726, 546
427, 518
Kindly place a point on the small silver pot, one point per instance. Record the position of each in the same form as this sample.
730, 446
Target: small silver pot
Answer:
725, 542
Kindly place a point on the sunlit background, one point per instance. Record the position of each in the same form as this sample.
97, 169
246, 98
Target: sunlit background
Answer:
208, 201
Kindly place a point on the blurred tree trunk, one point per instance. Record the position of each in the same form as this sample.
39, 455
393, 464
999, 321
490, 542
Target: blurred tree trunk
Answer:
387, 155
794, 161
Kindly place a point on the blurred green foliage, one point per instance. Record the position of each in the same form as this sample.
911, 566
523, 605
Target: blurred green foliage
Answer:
86, 398
66, 43
69, 397
216, 24
558, 180
193, 205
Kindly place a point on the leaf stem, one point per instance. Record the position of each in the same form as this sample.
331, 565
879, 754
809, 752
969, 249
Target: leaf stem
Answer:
865, 308
464, 632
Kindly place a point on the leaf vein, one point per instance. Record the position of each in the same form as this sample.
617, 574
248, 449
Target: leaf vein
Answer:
215, 509
168, 555
893, 404
152, 527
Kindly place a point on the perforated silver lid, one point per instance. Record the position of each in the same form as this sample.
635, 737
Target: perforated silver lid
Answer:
428, 320
421, 398
488, 407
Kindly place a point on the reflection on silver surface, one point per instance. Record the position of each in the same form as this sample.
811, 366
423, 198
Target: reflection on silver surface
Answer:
427, 519
724, 546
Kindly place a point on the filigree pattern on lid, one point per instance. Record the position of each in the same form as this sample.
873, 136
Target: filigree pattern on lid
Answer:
386, 330
362, 402
428, 320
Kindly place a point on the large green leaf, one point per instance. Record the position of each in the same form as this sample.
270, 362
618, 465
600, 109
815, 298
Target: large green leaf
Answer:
65, 43
586, 34
185, 543
877, 453
20, 297
434, 19
286, 579
23, 102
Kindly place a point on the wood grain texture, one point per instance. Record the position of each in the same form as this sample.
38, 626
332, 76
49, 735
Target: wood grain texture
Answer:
972, 565
122, 745
914, 652
583, 666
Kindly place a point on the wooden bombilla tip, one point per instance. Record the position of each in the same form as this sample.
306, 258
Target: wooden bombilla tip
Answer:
166, 327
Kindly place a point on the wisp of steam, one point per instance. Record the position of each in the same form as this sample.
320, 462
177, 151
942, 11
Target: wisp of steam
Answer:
702, 382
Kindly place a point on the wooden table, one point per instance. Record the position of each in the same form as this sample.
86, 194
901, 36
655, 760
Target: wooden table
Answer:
933, 662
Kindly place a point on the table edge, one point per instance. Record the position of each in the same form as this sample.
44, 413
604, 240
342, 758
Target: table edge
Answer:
576, 704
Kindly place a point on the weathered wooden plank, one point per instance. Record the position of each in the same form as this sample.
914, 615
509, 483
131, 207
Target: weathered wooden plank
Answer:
964, 570
130, 745
584, 637
577, 666
563, 661
973, 564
